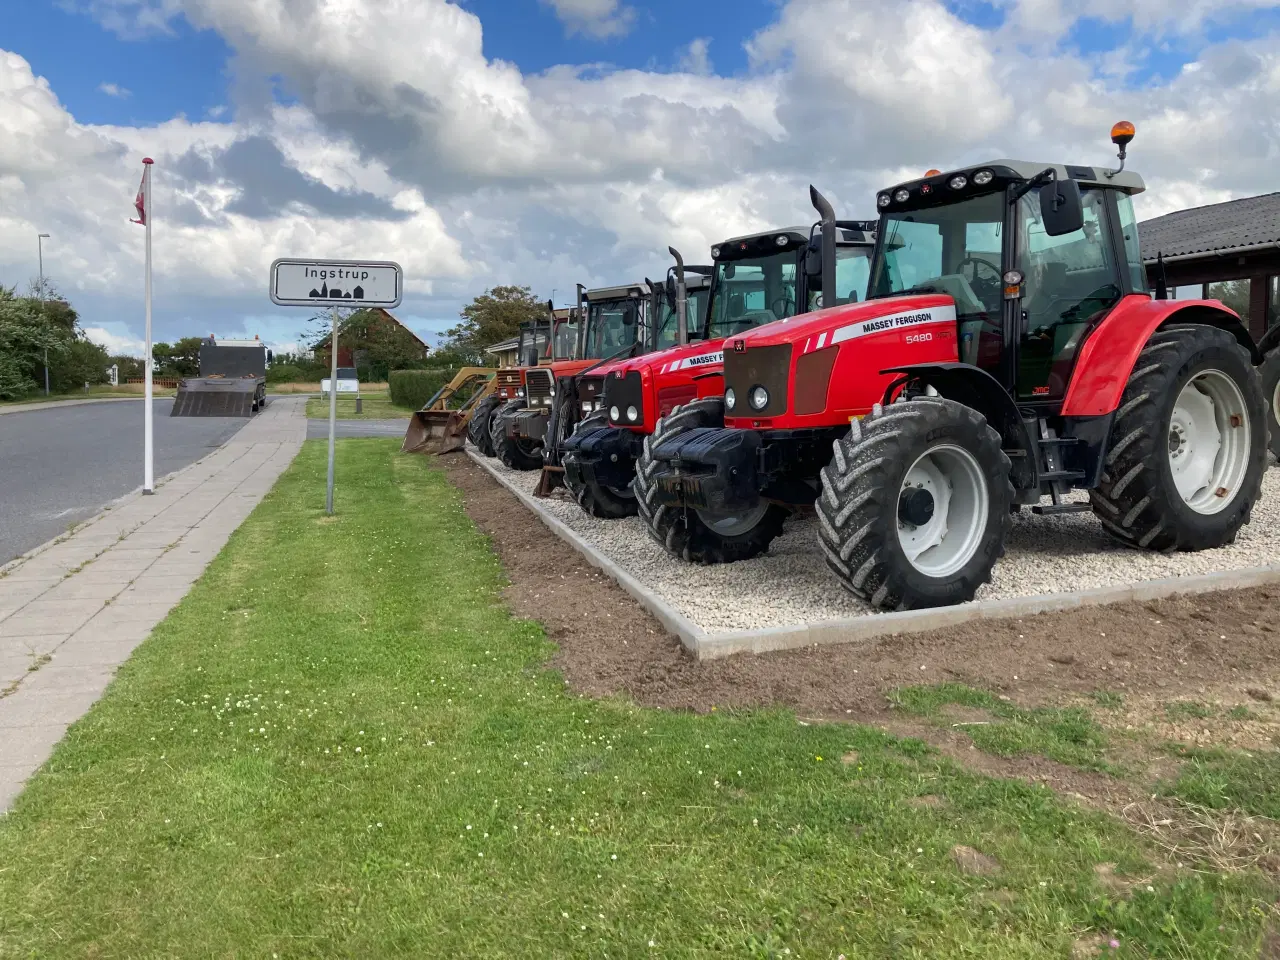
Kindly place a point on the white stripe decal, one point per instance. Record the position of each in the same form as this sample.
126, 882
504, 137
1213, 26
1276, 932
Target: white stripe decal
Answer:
822, 340
895, 321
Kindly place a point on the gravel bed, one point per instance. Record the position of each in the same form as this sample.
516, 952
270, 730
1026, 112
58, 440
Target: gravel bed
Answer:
791, 584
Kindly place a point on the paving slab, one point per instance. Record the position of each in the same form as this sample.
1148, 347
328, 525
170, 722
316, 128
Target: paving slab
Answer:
77, 607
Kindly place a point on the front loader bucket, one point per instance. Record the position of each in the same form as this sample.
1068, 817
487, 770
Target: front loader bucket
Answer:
212, 397
551, 479
435, 432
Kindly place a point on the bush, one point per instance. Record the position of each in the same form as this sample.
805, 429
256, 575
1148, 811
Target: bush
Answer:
81, 362
414, 388
285, 373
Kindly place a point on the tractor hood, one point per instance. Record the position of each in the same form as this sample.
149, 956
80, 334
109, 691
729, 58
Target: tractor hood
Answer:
813, 331
700, 353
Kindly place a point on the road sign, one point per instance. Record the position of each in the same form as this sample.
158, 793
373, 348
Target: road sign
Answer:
336, 283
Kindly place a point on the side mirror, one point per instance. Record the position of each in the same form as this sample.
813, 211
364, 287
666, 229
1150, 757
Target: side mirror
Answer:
1061, 210
730, 271
629, 315
671, 293
813, 262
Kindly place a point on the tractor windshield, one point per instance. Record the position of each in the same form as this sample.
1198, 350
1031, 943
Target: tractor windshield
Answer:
853, 270
611, 326
695, 312
953, 249
565, 341
749, 292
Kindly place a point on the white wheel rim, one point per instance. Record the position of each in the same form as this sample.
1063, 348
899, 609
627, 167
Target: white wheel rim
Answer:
949, 539
1275, 402
734, 525
1209, 442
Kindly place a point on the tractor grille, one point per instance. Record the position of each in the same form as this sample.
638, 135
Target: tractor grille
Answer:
590, 392
768, 367
538, 385
508, 382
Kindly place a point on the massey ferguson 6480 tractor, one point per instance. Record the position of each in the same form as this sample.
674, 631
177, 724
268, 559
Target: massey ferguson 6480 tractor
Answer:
614, 323
1010, 354
757, 279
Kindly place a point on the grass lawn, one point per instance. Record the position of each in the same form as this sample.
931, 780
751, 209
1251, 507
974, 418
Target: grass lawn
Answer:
342, 744
373, 407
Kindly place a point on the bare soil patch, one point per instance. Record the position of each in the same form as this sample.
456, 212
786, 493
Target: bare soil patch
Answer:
1219, 648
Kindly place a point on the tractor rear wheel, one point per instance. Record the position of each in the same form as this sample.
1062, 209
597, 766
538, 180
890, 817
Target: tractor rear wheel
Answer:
599, 501
1188, 446
1270, 373
518, 453
694, 535
478, 428
915, 505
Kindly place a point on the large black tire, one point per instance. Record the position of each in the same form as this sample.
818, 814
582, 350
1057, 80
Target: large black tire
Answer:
478, 428
683, 532
858, 511
601, 502
516, 453
1270, 373
1137, 500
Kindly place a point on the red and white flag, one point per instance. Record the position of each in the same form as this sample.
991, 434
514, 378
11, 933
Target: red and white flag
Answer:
140, 201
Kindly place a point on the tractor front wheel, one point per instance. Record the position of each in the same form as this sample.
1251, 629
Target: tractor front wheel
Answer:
1188, 446
915, 505
478, 428
518, 453
599, 501
1270, 373
695, 535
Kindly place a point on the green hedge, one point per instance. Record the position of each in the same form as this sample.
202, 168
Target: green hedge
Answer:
413, 388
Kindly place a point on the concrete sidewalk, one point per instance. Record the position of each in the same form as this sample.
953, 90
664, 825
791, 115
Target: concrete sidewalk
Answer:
73, 611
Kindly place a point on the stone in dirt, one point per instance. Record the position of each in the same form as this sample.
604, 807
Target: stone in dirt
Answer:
974, 862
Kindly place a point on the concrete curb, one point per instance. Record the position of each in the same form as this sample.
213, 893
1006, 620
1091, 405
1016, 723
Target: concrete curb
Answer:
707, 646
690, 635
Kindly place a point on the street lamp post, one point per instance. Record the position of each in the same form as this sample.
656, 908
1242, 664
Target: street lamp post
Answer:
40, 239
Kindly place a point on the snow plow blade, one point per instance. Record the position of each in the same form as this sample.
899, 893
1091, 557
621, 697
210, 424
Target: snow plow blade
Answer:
216, 397
435, 432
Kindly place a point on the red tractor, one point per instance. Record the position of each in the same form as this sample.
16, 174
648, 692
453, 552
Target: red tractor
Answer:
613, 323
1010, 353
756, 279
534, 345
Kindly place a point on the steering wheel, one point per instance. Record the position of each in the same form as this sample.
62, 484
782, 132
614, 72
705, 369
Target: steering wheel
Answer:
992, 287
786, 302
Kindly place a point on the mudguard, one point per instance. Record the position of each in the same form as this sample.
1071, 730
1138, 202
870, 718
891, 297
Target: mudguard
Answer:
1107, 357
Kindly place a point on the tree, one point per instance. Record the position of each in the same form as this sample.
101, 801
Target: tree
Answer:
492, 317
79, 362
130, 368
181, 359
27, 330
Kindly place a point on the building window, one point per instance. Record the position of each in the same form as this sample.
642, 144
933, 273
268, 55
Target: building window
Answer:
1273, 301
1233, 293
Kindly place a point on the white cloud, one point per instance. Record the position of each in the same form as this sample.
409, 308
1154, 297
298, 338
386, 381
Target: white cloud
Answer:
115, 90
601, 19
117, 340
471, 173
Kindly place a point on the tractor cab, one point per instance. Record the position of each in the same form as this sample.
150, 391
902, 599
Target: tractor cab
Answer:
1032, 254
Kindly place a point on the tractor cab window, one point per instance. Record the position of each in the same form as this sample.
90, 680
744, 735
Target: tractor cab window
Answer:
954, 250
1132, 250
565, 340
1069, 281
695, 312
751, 292
853, 270
611, 326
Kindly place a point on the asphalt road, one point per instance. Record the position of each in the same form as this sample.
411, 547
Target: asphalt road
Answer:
61, 466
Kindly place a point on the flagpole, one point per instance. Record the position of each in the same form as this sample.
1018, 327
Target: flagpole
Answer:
148, 462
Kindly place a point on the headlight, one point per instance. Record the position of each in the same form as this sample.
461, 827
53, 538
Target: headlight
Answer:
983, 177
614, 414
902, 196
758, 398
730, 398
715, 253
633, 414
882, 201
781, 240
586, 408
520, 392
959, 181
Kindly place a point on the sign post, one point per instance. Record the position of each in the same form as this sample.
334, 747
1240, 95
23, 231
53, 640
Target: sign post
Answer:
336, 283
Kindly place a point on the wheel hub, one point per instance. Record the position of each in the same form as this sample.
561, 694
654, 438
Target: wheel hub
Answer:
915, 506
1209, 441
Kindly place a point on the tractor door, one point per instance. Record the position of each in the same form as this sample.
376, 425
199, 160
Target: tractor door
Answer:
1069, 283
